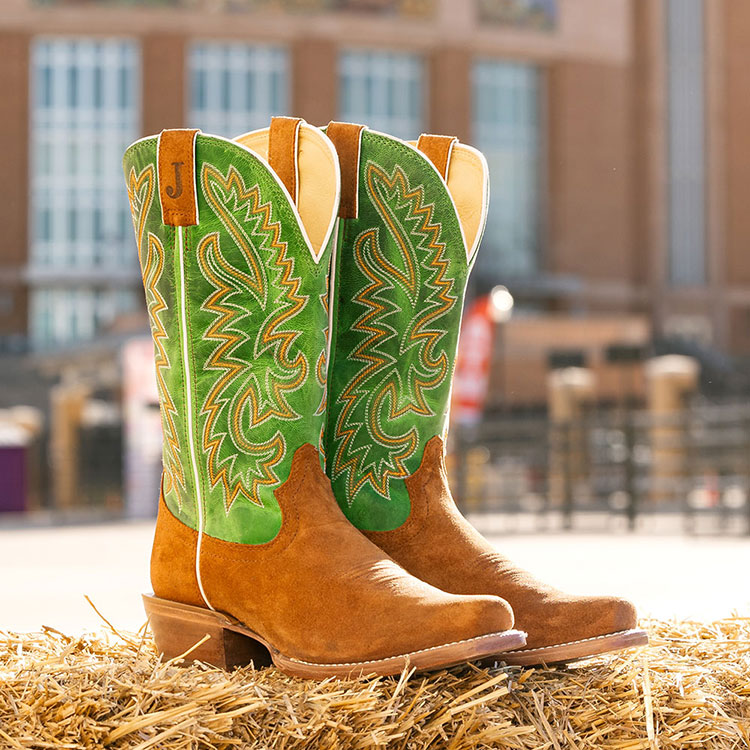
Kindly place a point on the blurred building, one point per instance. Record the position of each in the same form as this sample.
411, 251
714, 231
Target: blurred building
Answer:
616, 133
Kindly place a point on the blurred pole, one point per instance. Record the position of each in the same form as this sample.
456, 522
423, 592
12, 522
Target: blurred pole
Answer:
67, 402
501, 374
628, 359
142, 443
568, 390
631, 478
482, 322
500, 310
460, 495
670, 380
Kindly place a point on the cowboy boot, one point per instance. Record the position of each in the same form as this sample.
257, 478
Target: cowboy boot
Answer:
407, 241
252, 558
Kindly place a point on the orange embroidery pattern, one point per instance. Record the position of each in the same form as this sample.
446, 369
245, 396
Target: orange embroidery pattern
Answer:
240, 405
140, 194
379, 394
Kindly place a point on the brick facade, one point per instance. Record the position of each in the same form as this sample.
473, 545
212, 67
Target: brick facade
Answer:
603, 138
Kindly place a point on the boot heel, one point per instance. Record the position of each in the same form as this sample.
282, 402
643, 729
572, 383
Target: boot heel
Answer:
178, 628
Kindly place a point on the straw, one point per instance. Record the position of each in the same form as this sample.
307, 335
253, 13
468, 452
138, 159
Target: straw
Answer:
689, 689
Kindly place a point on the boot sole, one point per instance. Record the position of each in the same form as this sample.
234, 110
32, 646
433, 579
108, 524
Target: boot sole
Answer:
186, 633
575, 650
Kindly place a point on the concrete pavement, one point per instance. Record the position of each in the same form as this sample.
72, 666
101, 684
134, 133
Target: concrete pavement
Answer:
47, 571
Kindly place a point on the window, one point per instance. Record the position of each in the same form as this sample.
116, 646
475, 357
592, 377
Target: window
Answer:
383, 90
63, 315
686, 148
235, 88
84, 113
507, 129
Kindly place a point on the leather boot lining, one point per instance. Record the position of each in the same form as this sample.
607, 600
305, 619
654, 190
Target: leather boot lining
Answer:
316, 178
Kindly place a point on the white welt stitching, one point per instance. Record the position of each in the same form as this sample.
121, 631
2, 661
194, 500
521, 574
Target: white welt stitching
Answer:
410, 653
572, 643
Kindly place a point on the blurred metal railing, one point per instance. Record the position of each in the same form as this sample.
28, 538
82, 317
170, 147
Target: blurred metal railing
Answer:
619, 462
622, 461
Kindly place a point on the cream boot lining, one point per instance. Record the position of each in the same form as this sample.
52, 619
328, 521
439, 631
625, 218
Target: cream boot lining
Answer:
468, 184
317, 179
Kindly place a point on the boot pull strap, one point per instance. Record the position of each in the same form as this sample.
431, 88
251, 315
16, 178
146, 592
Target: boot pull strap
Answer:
438, 149
175, 164
283, 146
347, 139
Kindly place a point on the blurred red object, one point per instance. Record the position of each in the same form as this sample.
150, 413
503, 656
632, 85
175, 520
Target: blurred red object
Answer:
473, 362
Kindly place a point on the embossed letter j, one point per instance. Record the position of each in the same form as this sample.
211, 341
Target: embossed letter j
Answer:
176, 191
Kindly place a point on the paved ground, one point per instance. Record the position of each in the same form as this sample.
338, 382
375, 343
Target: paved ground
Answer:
47, 571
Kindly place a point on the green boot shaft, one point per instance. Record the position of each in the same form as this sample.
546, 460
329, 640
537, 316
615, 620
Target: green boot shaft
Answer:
237, 307
401, 269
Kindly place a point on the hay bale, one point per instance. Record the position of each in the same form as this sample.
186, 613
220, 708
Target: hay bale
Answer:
689, 689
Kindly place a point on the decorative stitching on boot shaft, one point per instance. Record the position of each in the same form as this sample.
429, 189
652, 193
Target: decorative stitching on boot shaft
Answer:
401, 273
255, 309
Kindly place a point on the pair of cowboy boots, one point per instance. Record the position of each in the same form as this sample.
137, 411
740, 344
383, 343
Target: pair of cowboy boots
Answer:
304, 290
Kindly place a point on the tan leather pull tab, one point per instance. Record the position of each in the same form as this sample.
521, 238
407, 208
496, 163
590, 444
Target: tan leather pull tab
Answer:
347, 140
438, 149
176, 167
283, 138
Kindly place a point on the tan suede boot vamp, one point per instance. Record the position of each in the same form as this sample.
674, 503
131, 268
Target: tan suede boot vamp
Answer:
438, 545
320, 589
